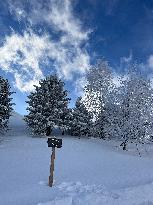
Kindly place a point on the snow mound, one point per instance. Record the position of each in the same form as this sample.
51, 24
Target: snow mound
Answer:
79, 188
16, 119
79, 194
16, 124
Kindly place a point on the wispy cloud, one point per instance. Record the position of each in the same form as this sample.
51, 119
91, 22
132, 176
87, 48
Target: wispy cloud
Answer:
150, 62
22, 54
127, 59
125, 62
79, 85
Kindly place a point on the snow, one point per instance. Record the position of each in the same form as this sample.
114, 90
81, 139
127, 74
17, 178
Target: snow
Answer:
16, 125
87, 171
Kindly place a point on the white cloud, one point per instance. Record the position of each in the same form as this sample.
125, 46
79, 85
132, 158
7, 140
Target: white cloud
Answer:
18, 12
79, 86
66, 52
21, 55
150, 61
24, 85
127, 59
62, 18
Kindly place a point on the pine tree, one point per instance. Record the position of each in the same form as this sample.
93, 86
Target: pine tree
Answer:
65, 122
100, 123
81, 123
48, 106
5, 104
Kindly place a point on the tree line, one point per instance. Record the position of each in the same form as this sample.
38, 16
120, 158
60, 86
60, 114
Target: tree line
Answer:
107, 111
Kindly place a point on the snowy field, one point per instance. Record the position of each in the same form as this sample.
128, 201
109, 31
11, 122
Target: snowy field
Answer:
87, 172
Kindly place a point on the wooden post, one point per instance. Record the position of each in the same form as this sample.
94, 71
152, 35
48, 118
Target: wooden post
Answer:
53, 142
52, 167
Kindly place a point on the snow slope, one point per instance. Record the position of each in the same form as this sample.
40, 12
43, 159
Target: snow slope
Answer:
87, 172
16, 124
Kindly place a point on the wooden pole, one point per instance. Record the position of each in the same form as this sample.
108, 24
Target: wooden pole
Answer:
52, 167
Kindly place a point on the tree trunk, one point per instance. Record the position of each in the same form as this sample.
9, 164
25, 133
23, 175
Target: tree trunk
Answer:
48, 131
124, 144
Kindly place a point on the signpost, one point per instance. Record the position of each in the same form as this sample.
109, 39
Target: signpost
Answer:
53, 142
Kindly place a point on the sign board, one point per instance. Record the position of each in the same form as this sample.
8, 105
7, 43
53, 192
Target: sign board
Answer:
54, 142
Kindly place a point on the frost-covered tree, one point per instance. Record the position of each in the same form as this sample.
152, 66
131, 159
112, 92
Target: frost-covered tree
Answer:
137, 108
97, 90
81, 122
112, 116
107, 118
99, 83
47, 106
131, 118
5, 104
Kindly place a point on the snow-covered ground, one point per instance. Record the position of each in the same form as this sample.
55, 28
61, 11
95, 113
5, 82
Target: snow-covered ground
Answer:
87, 172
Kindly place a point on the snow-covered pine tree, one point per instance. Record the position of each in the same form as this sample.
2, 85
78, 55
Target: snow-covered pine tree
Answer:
101, 122
65, 122
5, 104
81, 123
47, 106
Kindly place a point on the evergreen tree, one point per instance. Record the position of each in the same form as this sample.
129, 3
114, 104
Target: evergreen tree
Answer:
48, 106
100, 123
65, 122
5, 104
81, 123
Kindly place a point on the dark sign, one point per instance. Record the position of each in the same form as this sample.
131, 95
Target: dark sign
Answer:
54, 142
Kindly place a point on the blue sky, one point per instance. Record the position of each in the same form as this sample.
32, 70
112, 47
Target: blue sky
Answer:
41, 37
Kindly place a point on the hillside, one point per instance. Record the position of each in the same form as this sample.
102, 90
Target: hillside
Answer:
87, 172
